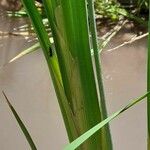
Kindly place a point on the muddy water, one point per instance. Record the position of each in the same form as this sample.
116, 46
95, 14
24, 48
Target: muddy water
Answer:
27, 84
125, 78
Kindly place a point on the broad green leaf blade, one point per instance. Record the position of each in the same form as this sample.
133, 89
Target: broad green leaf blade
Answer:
69, 24
53, 65
21, 124
92, 131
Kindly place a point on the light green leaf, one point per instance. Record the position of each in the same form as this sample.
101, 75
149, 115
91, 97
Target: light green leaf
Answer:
93, 130
25, 52
21, 124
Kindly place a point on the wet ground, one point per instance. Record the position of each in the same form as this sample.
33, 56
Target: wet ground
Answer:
27, 84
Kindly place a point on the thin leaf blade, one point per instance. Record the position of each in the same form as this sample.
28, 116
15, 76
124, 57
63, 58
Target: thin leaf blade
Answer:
21, 124
89, 133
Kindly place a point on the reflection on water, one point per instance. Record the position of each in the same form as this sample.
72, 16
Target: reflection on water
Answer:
27, 84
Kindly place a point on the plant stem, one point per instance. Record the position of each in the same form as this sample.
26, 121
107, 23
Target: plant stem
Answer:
52, 64
68, 21
106, 137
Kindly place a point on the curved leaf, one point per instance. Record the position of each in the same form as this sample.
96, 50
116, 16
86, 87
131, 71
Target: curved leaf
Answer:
93, 130
21, 124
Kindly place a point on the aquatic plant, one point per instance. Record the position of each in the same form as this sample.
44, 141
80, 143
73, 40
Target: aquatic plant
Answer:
79, 90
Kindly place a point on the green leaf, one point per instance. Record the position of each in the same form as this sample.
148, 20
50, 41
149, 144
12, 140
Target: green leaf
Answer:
106, 136
53, 65
25, 52
92, 131
21, 124
21, 54
70, 29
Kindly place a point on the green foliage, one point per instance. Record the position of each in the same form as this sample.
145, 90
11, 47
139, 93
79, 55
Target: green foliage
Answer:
73, 48
82, 103
113, 10
106, 137
21, 124
107, 9
142, 4
89, 133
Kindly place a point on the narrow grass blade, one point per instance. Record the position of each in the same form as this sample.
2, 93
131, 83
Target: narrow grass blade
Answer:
29, 50
92, 131
21, 124
106, 137
25, 52
38, 25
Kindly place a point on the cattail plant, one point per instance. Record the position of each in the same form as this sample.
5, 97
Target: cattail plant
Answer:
71, 67
78, 87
